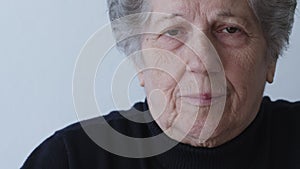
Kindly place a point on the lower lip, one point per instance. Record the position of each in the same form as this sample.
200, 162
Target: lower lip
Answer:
201, 101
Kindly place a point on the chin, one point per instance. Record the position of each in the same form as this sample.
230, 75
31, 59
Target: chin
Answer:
210, 143
225, 131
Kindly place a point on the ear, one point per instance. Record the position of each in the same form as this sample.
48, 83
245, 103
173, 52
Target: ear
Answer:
271, 72
141, 79
138, 64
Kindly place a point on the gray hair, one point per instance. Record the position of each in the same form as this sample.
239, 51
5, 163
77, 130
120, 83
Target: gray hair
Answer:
127, 19
276, 18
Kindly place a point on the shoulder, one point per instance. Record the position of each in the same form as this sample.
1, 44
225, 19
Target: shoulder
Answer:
49, 154
60, 150
283, 121
283, 115
283, 111
71, 145
281, 103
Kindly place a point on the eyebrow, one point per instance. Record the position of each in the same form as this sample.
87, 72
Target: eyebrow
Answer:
169, 16
226, 13
229, 14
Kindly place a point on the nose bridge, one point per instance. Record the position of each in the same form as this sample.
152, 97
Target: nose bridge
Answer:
202, 55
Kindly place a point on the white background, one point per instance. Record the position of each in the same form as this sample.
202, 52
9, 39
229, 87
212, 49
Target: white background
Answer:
39, 43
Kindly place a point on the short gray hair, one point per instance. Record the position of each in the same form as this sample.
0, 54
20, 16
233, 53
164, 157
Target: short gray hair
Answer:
132, 20
276, 18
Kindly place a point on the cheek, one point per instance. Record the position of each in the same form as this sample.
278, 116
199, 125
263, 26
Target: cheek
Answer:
160, 88
162, 72
245, 71
163, 69
158, 80
245, 65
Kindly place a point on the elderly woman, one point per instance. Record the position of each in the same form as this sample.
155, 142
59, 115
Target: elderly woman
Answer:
204, 65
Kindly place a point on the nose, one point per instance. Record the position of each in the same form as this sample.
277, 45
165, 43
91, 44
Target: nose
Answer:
195, 65
202, 57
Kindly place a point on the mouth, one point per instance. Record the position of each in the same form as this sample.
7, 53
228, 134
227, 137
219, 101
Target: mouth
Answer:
202, 99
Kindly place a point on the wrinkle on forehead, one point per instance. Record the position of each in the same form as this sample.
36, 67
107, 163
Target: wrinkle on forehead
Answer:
196, 10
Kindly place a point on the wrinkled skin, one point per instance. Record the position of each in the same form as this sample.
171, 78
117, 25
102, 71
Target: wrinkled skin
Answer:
189, 54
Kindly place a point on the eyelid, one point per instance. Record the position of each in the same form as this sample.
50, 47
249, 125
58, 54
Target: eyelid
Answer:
223, 26
180, 29
180, 33
238, 29
226, 25
182, 26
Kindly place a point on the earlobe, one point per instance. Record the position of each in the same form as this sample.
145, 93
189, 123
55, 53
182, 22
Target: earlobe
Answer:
141, 79
271, 72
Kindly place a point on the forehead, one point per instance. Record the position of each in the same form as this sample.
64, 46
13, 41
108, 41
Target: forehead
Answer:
193, 9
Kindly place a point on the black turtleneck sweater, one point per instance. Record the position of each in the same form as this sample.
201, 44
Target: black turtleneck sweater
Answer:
272, 141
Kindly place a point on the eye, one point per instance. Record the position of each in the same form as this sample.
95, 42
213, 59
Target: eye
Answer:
231, 36
172, 38
231, 30
172, 32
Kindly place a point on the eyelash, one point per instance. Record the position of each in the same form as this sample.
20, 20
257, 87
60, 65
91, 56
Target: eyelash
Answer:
228, 31
225, 28
179, 32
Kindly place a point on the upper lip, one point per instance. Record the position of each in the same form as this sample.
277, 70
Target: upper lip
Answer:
203, 96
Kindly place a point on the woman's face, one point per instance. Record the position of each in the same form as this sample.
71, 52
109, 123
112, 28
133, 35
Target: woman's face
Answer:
204, 53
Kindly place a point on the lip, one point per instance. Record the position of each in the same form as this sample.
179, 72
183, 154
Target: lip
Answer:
202, 99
